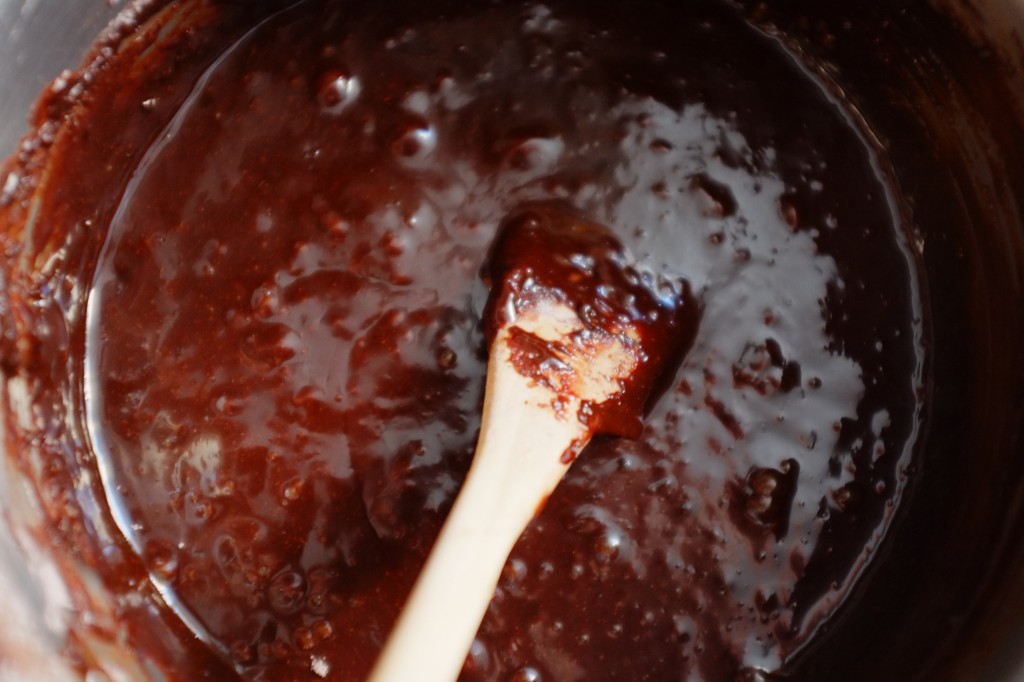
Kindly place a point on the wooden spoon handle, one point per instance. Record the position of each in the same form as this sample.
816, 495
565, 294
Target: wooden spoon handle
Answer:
518, 462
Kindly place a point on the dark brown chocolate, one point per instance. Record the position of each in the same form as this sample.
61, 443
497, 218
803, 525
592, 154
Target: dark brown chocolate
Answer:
276, 392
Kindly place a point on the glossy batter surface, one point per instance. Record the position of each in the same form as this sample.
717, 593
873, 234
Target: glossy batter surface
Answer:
285, 358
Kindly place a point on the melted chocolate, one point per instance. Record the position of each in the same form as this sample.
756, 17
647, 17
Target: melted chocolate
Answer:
277, 385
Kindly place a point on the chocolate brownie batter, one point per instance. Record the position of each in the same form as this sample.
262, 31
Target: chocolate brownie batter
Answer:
265, 361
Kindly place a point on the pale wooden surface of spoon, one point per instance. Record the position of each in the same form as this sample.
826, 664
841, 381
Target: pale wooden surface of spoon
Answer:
529, 434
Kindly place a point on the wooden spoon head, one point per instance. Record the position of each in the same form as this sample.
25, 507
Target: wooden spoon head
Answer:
581, 320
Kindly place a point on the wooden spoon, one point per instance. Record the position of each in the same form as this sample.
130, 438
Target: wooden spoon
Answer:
577, 343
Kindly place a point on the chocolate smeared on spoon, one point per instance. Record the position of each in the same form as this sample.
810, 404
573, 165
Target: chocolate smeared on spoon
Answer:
578, 342
617, 332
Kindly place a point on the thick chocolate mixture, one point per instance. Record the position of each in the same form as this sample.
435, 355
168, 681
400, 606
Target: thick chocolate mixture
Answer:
276, 219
